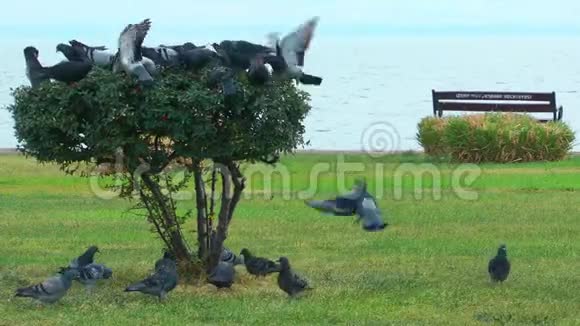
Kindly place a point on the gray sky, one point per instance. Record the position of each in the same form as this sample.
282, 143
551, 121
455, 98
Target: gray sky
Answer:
358, 16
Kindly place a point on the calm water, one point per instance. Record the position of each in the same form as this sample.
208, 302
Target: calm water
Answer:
375, 90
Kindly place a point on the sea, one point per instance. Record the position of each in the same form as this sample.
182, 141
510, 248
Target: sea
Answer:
377, 88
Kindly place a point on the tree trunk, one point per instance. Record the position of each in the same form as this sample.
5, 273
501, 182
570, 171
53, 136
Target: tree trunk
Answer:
230, 174
162, 215
201, 200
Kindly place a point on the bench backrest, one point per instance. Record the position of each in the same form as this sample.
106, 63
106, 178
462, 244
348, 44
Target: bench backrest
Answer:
494, 102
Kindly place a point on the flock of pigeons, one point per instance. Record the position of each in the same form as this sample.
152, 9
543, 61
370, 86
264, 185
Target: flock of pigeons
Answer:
280, 59
164, 277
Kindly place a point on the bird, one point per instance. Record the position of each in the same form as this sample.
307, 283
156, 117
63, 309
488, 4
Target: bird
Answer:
84, 259
199, 58
129, 57
258, 266
180, 48
71, 53
162, 56
160, 283
228, 256
358, 202
241, 53
97, 55
168, 259
289, 281
499, 266
68, 71
50, 290
222, 276
90, 274
258, 73
293, 49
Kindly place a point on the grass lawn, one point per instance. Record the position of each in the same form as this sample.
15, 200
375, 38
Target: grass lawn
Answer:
429, 267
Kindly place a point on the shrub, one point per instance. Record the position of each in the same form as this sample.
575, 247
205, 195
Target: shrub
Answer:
495, 137
184, 118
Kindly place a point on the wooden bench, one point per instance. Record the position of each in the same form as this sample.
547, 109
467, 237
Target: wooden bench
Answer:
496, 102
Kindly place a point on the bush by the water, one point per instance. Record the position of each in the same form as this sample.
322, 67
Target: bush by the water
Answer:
495, 137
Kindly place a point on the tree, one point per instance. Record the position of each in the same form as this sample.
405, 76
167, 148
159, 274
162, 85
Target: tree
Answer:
182, 120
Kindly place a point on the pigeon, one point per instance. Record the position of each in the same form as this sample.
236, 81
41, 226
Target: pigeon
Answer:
162, 56
241, 53
51, 290
258, 266
258, 73
199, 58
223, 77
161, 282
228, 256
222, 275
129, 57
91, 273
97, 55
168, 259
85, 259
72, 53
289, 281
68, 72
181, 48
499, 266
359, 202
293, 49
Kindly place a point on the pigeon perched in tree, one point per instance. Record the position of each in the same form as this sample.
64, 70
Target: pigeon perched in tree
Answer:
68, 71
228, 256
161, 282
71, 53
258, 72
241, 53
162, 56
130, 58
51, 290
258, 266
222, 275
289, 281
97, 55
293, 49
499, 266
359, 201
181, 48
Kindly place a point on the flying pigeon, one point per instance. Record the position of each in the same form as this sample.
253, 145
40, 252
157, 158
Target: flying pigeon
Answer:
228, 256
67, 71
130, 58
293, 49
499, 266
258, 266
51, 290
359, 202
289, 281
161, 282
97, 55
222, 275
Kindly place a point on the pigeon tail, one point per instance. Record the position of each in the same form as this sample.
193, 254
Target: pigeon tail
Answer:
310, 80
137, 287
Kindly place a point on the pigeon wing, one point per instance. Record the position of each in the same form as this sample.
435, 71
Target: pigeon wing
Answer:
132, 38
294, 45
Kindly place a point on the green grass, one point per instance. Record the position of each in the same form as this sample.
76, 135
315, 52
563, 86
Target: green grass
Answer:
427, 268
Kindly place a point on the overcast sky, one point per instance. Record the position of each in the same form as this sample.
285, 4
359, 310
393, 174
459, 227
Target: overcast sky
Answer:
41, 18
